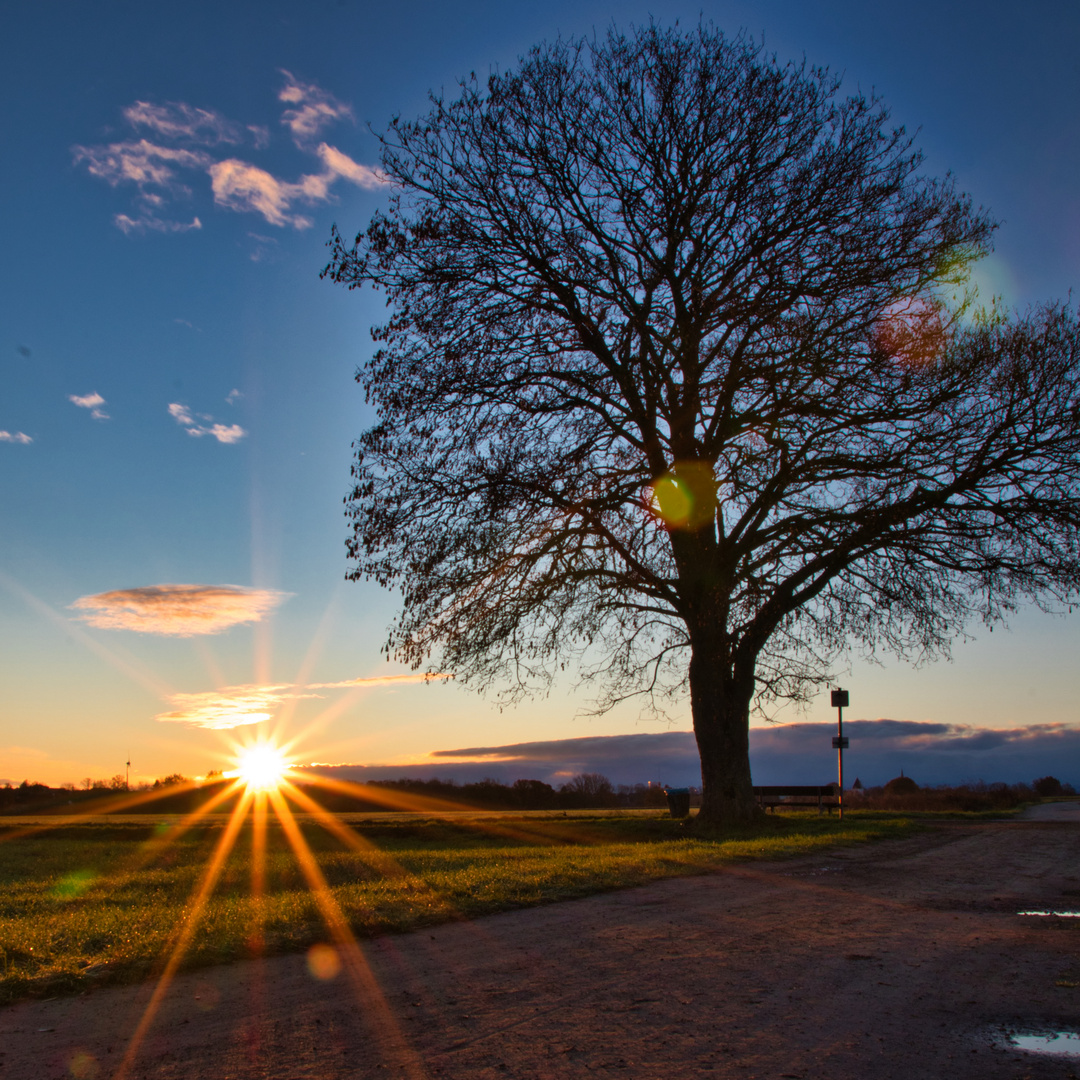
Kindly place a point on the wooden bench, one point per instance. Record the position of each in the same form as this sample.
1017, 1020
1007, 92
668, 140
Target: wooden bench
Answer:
773, 795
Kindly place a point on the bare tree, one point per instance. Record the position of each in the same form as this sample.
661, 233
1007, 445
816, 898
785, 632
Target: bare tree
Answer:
669, 388
589, 789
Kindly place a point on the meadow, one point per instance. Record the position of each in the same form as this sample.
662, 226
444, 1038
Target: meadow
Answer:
106, 900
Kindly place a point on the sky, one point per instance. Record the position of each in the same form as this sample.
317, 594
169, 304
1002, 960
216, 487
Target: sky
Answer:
177, 399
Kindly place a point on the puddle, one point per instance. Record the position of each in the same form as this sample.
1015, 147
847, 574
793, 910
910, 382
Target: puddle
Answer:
1059, 914
1057, 1044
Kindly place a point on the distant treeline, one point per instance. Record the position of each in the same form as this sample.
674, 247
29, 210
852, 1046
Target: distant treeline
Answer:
175, 795
903, 793
583, 792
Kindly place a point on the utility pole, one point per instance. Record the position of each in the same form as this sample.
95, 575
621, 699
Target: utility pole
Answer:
839, 700
127, 775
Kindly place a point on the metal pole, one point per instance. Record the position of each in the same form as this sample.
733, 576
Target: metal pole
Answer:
840, 699
840, 756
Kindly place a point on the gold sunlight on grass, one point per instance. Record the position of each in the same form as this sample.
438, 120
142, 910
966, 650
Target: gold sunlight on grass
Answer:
260, 865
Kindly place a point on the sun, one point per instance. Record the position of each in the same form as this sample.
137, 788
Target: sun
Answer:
262, 767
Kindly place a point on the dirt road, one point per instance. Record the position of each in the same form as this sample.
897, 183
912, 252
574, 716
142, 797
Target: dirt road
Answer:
901, 960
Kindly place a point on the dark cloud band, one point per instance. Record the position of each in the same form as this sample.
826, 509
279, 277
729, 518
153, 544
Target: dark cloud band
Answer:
933, 753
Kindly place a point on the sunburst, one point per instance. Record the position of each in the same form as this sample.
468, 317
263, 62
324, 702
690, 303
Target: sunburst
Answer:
261, 767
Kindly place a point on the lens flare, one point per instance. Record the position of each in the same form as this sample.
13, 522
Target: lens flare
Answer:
685, 497
261, 767
323, 962
911, 332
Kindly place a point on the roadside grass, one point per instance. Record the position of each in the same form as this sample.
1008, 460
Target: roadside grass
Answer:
102, 902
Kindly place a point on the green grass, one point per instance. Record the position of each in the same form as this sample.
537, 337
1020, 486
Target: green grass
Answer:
100, 902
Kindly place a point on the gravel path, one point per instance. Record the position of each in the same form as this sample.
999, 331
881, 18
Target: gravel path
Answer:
904, 959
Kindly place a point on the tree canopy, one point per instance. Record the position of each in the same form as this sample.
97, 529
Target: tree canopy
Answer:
670, 385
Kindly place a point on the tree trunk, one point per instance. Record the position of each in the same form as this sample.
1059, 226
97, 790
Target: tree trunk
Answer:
720, 702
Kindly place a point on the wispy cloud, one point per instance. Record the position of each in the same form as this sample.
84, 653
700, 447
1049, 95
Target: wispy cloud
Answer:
339, 164
384, 680
147, 222
315, 109
178, 610
177, 120
233, 396
142, 163
265, 247
230, 707
177, 137
19, 437
241, 186
93, 402
235, 706
224, 433
153, 171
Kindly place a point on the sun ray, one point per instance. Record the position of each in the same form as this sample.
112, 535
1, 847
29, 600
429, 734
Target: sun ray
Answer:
383, 1024
390, 798
202, 649
187, 930
326, 716
264, 782
310, 658
120, 804
157, 844
258, 868
407, 802
377, 858
115, 657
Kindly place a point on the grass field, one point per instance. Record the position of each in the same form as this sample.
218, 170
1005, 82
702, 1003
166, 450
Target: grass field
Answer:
104, 901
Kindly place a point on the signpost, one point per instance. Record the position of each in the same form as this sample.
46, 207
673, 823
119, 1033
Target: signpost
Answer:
840, 744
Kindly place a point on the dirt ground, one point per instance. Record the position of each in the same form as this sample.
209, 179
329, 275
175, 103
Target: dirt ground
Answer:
905, 959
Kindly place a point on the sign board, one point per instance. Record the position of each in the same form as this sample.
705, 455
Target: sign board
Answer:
839, 743
839, 699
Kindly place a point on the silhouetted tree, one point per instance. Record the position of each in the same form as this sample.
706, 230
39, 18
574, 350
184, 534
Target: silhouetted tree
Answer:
901, 785
1047, 786
533, 794
668, 387
588, 790
172, 780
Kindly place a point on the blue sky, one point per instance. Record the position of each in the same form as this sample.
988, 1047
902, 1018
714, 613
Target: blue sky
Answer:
176, 394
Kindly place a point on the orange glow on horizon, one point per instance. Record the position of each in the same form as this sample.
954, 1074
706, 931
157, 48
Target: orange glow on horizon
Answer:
263, 793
